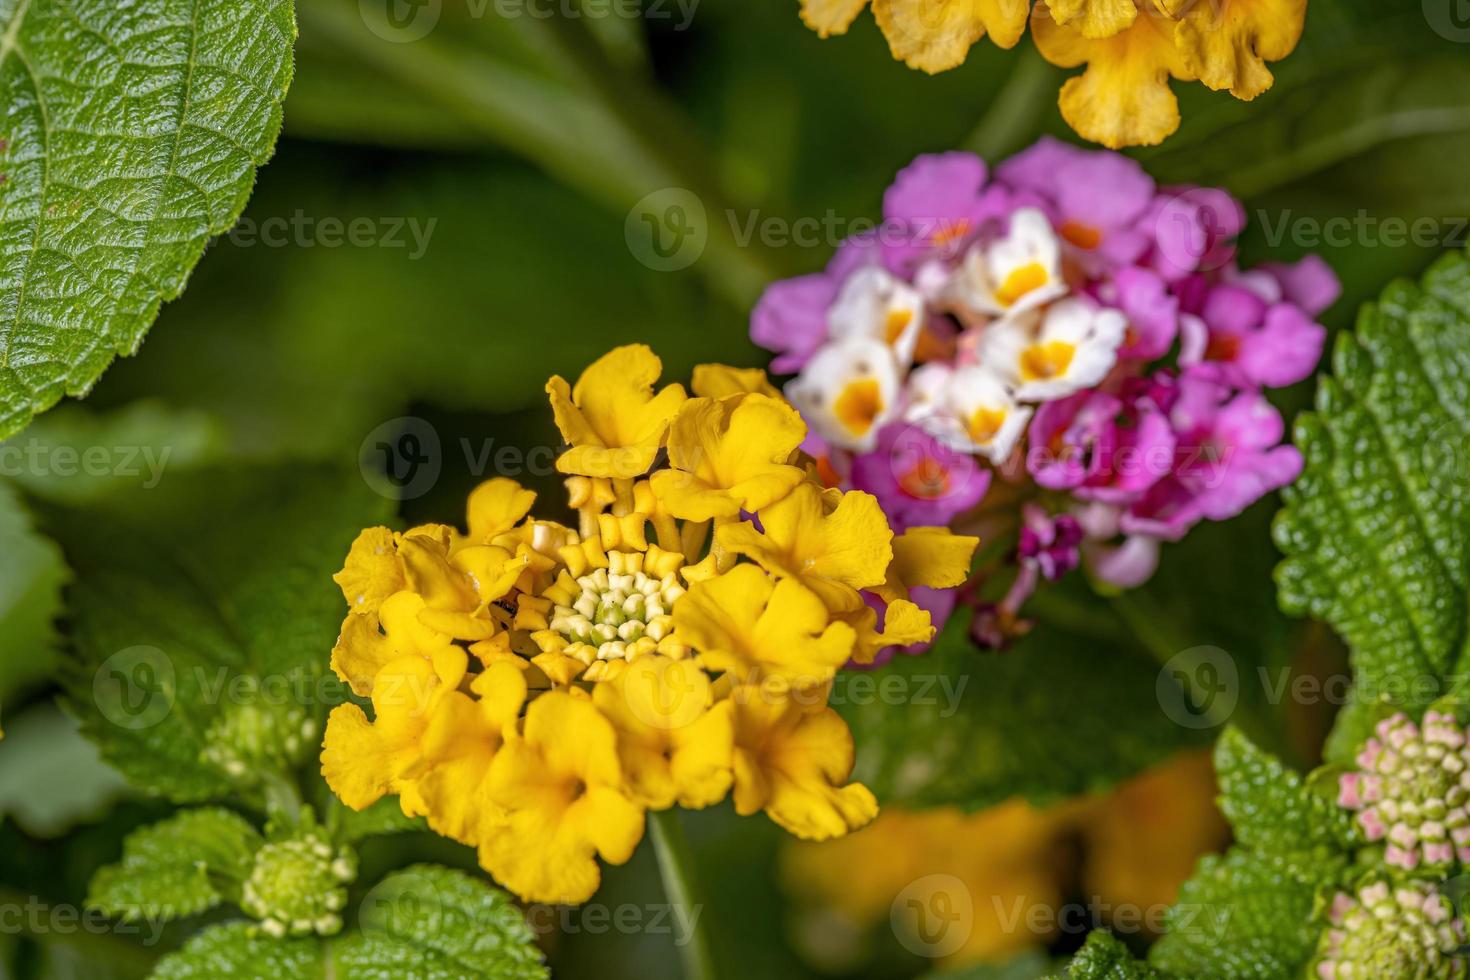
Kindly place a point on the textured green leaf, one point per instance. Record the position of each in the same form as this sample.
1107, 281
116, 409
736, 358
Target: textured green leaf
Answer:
180, 866
242, 952
1244, 916
1377, 529
424, 922
216, 577
437, 923
957, 726
130, 134
1269, 806
1104, 957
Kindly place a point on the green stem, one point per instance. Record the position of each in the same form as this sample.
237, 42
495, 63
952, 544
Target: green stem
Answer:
676, 867
594, 127
1015, 113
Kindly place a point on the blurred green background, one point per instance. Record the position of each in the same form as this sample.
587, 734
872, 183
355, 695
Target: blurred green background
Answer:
518, 147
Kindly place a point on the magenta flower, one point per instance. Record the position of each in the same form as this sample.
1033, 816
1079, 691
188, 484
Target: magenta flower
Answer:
1246, 341
1152, 311
935, 206
1097, 199
919, 480
1227, 456
1100, 446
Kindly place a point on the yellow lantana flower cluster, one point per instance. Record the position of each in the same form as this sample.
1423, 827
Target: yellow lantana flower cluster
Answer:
1131, 49
536, 688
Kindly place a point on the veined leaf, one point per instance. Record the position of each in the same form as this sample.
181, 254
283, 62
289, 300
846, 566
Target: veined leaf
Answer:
425, 922
1269, 806
203, 618
31, 577
1245, 915
180, 866
130, 134
1377, 529
1104, 957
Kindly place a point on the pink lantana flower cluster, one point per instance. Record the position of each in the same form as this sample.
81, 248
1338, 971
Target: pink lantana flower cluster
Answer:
1061, 346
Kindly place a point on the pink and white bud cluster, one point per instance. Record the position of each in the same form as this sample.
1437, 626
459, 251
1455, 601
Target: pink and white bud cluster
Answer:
1413, 790
1407, 931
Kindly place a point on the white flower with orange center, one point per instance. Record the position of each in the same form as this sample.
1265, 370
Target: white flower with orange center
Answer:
874, 305
1013, 274
848, 391
977, 413
1070, 346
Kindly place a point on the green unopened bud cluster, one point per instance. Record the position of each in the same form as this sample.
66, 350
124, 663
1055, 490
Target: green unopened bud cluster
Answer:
250, 737
297, 887
1406, 931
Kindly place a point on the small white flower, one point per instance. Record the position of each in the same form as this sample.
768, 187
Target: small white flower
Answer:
1069, 347
925, 392
875, 305
1013, 274
968, 409
847, 392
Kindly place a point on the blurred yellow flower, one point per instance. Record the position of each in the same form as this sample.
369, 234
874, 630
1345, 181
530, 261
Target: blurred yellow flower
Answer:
1009, 868
1131, 48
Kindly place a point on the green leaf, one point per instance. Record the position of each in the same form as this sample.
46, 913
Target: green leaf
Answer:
425, 922
203, 619
1377, 529
74, 455
960, 727
31, 577
1245, 915
383, 817
242, 952
1269, 806
1104, 957
132, 135
440, 923
180, 866
51, 778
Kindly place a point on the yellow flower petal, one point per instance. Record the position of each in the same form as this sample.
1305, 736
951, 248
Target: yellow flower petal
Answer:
932, 557
1227, 43
903, 623
496, 506
723, 381
372, 572
745, 623
1094, 18
612, 418
1123, 99
832, 553
728, 456
935, 35
828, 17
672, 745
560, 786
792, 763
